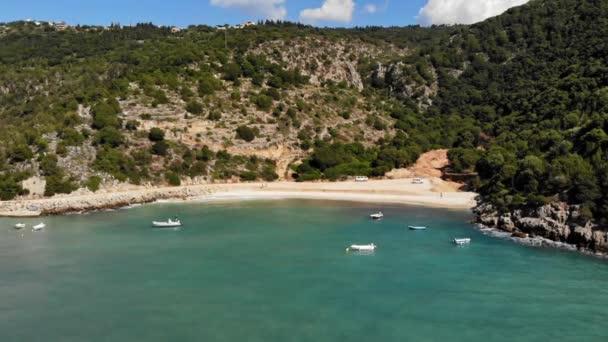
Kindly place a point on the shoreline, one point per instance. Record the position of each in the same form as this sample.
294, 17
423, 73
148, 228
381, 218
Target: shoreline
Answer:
537, 242
434, 193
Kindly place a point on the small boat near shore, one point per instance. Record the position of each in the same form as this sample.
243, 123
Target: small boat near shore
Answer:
38, 227
463, 241
376, 216
168, 224
19, 226
361, 248
416, 227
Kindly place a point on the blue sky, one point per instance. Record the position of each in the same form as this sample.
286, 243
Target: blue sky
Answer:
185, 12
182, 13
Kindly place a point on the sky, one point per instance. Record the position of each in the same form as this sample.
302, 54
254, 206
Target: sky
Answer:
181, 13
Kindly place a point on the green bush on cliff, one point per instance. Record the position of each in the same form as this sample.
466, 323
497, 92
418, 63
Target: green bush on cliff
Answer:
156, 134
93, 183
173, 178
245, 133
10, 187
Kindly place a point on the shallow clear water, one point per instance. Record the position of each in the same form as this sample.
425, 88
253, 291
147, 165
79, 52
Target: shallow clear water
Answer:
278, 271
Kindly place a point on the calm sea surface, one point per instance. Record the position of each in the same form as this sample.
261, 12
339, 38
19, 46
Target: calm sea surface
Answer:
278, 271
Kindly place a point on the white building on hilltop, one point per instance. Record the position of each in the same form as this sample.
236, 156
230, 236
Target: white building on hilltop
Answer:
245, 24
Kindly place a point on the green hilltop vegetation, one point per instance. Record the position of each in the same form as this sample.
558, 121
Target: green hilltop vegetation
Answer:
521, 101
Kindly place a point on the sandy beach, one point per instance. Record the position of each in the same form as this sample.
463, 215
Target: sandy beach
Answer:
433, 192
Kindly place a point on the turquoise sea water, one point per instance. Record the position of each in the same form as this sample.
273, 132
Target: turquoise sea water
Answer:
277, 271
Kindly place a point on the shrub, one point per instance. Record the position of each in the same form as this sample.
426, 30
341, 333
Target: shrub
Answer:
274, 94
208, 85
215, 115
61, 150
245, 133
9, 187
57, 185
199, 168
248, 176
263, 102
109, 136
116, 163
235, 95
132, 125
48, 165
93, 183
20, 153
105, 115
173, 179
71, 137
268, 173
156, 134
232, 72
194, 107
205, 154
160, 148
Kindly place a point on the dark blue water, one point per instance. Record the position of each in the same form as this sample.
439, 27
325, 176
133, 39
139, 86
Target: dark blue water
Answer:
278, 271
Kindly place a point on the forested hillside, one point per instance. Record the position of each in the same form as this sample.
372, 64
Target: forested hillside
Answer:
537, 86
521, 99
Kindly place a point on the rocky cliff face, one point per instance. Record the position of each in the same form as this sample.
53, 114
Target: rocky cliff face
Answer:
404, 82
556, 221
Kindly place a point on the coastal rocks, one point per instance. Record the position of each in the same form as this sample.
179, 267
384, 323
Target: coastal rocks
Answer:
98, 201
557, 222
600, 240
506, 223
581, 235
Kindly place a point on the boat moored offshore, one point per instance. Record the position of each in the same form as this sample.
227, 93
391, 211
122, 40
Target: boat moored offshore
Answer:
168, 224
376, 216
361, 248
38, 227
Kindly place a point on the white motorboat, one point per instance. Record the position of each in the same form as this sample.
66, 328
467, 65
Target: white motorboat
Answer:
38, 227
361, 248
416, 227
376, 216
463, 241
168, 224
19, 225
417, 181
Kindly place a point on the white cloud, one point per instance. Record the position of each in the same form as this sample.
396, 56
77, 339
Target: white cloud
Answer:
370, 8
270, 9
463, 11
331, 10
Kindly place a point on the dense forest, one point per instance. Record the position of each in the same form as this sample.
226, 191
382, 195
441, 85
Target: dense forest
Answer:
521, 101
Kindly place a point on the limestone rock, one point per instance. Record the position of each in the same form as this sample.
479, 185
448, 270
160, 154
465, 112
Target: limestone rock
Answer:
558, 221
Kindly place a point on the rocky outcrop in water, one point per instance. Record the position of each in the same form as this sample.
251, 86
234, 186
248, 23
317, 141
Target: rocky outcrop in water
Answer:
557, 221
